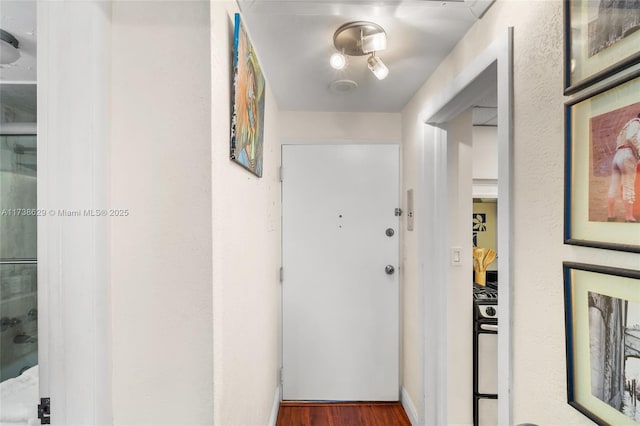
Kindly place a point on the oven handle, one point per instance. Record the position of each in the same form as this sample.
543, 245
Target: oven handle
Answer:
489, 327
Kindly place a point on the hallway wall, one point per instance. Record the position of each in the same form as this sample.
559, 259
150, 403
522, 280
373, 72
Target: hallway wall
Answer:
317, 126
246, 252
539, 387
161, 253
194, 267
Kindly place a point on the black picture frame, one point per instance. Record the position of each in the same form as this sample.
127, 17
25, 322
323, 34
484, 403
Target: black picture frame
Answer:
587, 60
596, 297
586, 221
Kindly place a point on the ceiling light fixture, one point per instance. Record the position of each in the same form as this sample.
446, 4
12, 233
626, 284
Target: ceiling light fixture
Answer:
9, 52
377, 67
374, 42
361, 38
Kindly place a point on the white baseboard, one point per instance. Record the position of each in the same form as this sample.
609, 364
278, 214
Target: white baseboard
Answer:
273, 418
409, 407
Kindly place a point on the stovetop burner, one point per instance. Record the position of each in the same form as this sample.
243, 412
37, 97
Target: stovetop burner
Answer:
485, 302
485, 293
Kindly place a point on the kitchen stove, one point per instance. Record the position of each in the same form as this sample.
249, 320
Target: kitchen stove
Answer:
485, 303
485, 328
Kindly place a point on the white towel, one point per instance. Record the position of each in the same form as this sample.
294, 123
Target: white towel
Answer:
19, 399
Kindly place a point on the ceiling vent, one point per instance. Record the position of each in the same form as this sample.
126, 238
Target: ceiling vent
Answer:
343, 86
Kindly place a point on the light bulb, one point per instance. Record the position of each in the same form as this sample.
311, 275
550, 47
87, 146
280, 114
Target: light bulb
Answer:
377, 67
338, 61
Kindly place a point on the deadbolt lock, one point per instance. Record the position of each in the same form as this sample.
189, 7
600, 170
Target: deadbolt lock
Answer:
389, 232
389, 269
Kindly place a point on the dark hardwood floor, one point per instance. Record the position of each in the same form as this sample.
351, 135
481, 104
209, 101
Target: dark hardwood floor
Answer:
342, 414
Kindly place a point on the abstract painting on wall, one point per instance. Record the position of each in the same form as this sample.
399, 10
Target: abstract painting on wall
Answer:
479, 225
248, 92
602, 320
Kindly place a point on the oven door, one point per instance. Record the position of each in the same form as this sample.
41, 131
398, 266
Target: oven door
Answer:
488, 374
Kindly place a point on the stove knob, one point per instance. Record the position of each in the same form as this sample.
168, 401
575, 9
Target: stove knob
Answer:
491, 311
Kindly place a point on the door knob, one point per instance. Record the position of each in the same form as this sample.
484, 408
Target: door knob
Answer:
389, 269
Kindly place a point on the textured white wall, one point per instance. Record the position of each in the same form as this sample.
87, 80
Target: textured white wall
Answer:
312, 126
246, 253
539, 389
485, 152
161, 262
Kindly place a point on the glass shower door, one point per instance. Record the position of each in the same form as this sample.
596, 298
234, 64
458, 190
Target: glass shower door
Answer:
18, 274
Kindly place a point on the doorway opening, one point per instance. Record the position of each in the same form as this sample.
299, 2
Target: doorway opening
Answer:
19, 215
447, 232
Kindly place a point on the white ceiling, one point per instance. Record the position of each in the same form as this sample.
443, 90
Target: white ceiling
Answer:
294, 40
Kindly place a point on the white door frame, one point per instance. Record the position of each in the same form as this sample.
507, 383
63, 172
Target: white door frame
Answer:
73, 296
433, 250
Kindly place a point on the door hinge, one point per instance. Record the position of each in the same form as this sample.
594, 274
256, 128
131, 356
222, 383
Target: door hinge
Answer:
280, 172
44, 411
398, 211
281, 274
281, 375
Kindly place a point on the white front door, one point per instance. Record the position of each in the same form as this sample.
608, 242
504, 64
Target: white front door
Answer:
340, 296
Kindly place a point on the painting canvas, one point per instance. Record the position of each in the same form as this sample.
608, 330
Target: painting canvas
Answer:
602, 323
247, 120
610, 21
615, 141
601, 38
614, 340
602, 187
479, 225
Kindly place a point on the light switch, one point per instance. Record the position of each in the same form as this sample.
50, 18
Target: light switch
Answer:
456, 256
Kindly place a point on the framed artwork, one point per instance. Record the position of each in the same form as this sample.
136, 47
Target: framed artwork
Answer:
601, 38
248, 92
602, 324
602, 190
